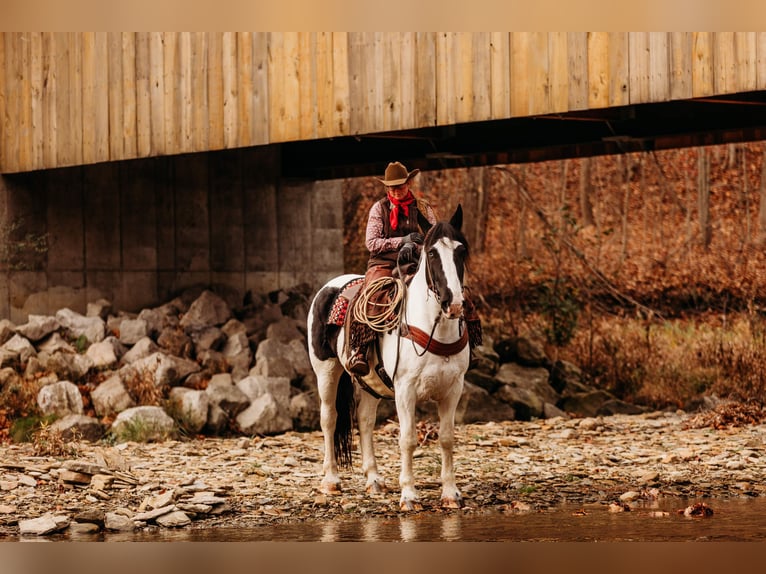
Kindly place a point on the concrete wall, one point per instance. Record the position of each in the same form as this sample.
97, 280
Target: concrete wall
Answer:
138, 232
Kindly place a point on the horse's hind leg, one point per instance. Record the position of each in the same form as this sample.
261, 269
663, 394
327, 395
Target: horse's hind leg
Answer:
451, 497
366, 413
328, 374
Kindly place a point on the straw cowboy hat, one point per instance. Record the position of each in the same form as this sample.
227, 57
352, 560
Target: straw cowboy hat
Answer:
397, 174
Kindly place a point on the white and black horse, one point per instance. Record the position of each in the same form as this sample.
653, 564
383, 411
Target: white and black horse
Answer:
426, 358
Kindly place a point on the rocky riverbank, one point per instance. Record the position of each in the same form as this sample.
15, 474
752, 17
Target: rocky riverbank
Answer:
611, 462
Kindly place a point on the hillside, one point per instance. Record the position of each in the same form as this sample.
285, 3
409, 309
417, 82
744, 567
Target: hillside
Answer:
607, 256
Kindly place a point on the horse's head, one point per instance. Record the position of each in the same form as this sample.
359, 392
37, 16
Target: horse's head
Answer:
445, 250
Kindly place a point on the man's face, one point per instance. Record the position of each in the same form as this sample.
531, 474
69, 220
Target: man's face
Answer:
399, 191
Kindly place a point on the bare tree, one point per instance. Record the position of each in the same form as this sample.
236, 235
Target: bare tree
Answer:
586, 189
703, 196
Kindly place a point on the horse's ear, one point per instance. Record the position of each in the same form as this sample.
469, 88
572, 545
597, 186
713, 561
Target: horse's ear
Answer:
457, 218
425, 225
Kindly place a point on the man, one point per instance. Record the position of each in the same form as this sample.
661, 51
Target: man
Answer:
392, 223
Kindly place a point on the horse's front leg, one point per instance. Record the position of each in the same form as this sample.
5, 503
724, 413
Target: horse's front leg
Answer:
451, 497
405, 410
366, 413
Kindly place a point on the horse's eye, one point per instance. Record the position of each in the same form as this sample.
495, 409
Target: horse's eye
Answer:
431, 253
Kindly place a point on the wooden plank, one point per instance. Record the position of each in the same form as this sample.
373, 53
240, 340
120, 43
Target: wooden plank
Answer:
49, 118
760, 60
702, 64
4, 117
24, 118
407, 55
215, 90
128, 129
366, 82
681, 46
577, 64
116, 113
619, 68
157, 105
12, 101
200, 127
392, 73
598, 70
170, 70
540, 73
356, 64
500, 75
324, 82
245, 88
88, 98
100, 109
307, 109
286, 121
183, 99
261, 117
659, 66
481, 76
425, 79
37, 102
725, 70
143, 99
63, 132
638, 50
520, 74
745, 56
340, 83
230, 94
75, 97
445, 79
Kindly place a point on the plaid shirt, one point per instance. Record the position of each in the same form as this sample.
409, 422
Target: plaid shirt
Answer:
374, 239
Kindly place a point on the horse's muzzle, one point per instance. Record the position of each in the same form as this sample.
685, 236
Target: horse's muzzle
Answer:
453, 310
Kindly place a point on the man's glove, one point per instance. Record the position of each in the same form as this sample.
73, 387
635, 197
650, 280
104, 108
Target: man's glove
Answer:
407, 253
413, 237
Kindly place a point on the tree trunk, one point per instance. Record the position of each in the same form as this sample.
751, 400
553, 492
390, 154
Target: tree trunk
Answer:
762, 210
703, 196
586, 190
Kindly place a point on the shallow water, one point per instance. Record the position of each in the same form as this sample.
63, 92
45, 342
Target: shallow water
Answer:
738, 519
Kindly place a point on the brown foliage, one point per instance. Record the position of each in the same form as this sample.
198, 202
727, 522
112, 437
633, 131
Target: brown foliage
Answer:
602, 294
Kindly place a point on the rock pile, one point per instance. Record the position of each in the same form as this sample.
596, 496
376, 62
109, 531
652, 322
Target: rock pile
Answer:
209, 362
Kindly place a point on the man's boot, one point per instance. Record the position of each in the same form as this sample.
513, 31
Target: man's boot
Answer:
358, 363
360, 337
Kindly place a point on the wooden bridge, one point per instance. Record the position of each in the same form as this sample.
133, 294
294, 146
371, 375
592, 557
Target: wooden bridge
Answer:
152, 162
342, 99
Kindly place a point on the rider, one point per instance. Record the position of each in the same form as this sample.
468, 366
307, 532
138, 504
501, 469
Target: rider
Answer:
392, 226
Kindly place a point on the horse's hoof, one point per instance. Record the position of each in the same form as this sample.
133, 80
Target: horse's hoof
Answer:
452, 502
410, 505
377, 488
331, 488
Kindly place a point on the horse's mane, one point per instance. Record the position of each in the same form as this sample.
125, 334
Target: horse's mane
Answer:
447, 230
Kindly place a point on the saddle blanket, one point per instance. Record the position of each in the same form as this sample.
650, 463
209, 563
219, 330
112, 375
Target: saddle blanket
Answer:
339, 307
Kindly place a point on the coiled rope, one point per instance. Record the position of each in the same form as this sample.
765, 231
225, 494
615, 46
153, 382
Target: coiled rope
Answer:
385, 316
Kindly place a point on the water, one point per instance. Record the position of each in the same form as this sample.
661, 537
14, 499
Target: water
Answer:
733, 520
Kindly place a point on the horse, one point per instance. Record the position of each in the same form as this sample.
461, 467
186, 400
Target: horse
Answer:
426, 357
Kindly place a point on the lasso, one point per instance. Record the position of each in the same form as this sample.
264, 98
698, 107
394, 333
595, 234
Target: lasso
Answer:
386, 316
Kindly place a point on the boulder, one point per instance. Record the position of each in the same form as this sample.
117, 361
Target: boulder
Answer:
60, 399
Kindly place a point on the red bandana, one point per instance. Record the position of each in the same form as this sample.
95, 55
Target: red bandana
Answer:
400, 204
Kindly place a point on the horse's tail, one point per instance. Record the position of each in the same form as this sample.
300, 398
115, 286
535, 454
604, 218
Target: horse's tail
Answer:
344, 406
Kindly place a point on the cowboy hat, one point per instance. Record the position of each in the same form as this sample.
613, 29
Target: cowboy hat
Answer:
397, 174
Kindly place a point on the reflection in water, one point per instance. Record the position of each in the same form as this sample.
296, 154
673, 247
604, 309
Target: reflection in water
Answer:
408, 531
736, 519
451, 527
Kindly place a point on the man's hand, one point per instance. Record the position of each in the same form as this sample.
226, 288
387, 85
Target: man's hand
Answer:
413, 237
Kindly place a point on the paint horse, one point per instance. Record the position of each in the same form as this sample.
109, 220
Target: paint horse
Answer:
425, 358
